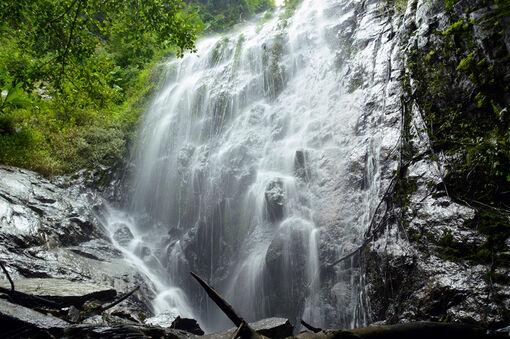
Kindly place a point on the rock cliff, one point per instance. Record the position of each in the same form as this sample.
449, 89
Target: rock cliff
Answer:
441, 251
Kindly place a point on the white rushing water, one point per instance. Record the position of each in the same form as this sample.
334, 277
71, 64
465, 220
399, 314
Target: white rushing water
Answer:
253, 170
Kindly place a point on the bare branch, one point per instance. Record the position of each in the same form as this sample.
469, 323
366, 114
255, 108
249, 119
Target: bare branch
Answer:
8, 276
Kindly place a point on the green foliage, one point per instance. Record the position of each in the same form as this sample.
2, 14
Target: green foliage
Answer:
70, 70
290, 8
462, 96
220, 15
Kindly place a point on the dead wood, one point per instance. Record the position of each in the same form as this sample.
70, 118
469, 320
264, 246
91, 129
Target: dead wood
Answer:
244, 331
121, 299
310, 327
8, 275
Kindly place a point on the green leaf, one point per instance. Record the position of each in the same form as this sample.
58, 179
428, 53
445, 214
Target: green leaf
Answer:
13, 93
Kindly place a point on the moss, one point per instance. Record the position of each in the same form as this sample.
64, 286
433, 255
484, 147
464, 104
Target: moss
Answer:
274, 76
267, 16
398, 5
455, 27
494, 226
356, 81
461, 92
218, 51
237, 53
465, 63
453, 250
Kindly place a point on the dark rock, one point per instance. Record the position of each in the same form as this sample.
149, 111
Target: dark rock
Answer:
409, 276
188, 325
275, 200
73, 314
301, 171
121, 331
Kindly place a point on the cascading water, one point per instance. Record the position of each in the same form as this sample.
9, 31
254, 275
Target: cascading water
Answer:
245, 173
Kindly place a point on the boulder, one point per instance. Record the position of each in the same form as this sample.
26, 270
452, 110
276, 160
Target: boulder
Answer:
273, 327
123, 235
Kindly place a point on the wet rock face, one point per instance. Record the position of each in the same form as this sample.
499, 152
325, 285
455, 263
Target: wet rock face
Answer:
300, 166
37, 212
415, 269
52, 229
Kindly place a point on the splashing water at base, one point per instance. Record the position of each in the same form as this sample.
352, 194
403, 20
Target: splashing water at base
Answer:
125, 237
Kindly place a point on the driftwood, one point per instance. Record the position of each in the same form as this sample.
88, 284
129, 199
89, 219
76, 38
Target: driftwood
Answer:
244, 330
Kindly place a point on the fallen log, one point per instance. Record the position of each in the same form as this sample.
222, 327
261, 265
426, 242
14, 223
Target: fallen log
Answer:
244, 331
310, 327
416, 330
222, 303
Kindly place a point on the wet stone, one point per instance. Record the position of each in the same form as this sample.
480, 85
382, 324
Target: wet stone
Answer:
275, 200
123, 236
164, 319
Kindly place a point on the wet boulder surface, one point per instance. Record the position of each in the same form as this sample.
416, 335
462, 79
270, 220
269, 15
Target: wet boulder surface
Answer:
53, 245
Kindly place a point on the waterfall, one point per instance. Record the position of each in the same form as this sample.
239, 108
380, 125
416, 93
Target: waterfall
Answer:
259, 163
